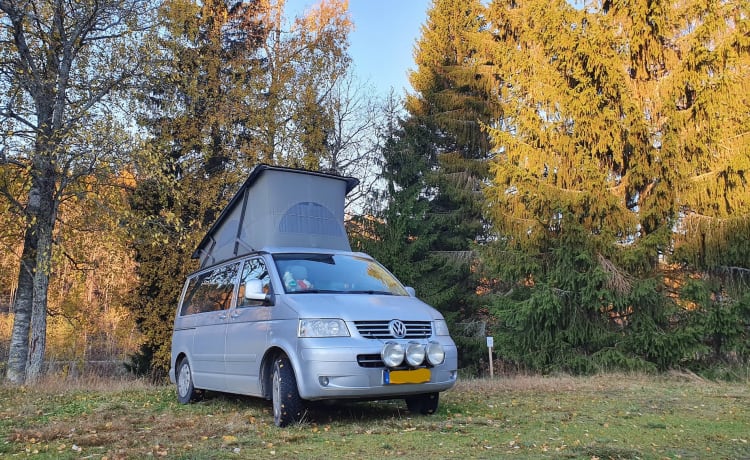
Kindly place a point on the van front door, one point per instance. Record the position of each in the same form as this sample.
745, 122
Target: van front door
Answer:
247, 332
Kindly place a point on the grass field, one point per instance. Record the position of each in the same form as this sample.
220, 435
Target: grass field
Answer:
601, 417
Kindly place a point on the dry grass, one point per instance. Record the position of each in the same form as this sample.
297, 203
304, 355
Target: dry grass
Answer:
558, 383
606, 416
96, 383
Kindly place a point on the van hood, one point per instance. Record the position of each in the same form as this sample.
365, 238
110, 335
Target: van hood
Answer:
361, 307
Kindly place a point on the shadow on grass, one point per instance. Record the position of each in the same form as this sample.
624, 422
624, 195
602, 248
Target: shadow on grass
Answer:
352, 411
320, 412
613, 453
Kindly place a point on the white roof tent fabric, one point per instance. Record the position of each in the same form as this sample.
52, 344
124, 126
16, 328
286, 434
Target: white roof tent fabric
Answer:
279, 206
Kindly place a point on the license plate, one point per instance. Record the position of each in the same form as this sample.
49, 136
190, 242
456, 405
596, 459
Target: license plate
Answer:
411, 376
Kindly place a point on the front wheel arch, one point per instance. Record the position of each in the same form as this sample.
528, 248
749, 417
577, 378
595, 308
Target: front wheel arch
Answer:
266, 370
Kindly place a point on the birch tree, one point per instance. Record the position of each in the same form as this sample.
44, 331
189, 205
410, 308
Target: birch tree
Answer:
62, 64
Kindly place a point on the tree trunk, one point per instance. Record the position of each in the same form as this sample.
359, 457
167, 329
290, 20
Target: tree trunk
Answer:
44, 223
28, 340
19, 340
22, 305
38, 339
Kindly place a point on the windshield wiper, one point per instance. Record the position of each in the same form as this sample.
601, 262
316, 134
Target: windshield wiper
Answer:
371, 292
331, 291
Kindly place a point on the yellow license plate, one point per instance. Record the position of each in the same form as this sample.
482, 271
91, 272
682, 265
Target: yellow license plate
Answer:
411, 376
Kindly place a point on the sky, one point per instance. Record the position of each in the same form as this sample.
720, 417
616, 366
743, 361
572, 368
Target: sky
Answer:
382, 42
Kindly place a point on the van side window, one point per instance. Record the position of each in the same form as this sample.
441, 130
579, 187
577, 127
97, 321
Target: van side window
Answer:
253, 269
211, 290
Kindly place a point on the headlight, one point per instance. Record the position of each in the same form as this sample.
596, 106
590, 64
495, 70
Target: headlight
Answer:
415, 354
435, 353
324, 327
441, 327
392, 354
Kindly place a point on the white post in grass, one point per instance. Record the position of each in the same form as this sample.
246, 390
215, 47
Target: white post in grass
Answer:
490, 343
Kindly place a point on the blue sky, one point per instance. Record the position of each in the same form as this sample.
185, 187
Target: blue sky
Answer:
382, 42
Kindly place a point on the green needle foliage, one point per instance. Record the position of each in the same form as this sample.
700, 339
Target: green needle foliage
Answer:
621, 164
581, 166
434, 164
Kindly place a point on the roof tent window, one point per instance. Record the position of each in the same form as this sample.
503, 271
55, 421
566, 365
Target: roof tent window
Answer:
310, 218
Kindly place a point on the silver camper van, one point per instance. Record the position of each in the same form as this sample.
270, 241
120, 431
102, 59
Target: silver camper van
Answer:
282, 309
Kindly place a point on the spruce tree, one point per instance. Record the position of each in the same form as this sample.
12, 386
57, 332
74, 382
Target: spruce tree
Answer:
602, 141
435, 160
706, 105
445, 115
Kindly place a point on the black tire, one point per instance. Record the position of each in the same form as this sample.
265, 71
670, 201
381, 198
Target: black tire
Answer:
287, 404
186, 391
426, 404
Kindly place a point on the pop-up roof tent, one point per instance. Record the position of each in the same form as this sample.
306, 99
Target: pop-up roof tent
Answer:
283, 207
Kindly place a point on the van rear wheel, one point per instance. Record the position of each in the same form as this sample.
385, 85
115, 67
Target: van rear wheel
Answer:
287, 404
186, 391
426, 404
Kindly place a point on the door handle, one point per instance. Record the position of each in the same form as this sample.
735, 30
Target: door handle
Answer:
223, 316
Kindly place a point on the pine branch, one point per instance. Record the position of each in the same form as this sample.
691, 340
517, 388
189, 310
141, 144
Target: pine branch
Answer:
458, 256
696, 215
619, 281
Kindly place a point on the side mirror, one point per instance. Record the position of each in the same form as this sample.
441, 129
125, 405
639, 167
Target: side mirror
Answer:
411, 291
254, 291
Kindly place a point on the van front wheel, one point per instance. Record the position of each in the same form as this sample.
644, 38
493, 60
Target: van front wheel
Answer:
186, 391
287, 404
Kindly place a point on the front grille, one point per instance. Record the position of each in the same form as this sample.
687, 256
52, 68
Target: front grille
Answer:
373, 360
380, 329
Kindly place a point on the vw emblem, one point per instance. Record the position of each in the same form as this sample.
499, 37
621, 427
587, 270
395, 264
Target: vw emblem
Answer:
397, 328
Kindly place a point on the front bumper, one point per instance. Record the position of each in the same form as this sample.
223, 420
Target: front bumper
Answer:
326, 370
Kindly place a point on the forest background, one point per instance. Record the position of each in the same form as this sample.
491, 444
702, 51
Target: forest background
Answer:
570, 181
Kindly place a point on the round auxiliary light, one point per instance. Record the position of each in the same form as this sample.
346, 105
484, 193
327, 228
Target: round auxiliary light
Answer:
435, 353
392, 354
415, 354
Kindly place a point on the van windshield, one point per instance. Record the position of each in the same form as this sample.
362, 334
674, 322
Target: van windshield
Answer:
335, 273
